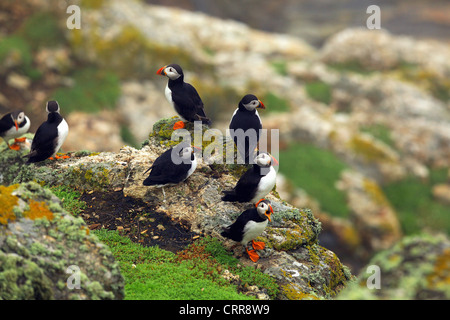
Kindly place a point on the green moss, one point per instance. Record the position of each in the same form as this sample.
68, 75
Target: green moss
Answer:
274, 103
319, 91
42, 29
310, 163
369, 149
93, 90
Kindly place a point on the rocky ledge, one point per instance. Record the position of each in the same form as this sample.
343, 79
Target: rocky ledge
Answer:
293, 256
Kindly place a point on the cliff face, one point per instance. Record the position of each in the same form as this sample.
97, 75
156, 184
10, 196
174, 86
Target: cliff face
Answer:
293, 256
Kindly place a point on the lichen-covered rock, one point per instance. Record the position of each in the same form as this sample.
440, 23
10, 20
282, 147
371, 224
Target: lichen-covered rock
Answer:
45, 253
417, 267
293, 255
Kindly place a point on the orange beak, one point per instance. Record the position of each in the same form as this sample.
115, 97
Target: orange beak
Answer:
161, 71
261, 105
275, 162
17, 126
267, 214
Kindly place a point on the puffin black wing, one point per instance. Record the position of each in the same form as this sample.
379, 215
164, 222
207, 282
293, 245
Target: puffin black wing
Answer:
236, 230
6, 123
189, 104
245, 120
246, 187
43, 143
164, 171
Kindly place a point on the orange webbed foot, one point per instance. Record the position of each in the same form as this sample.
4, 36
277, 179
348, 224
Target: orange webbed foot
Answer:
14, 147
64, 156
252, 255
258, 245
178, 125
18, 140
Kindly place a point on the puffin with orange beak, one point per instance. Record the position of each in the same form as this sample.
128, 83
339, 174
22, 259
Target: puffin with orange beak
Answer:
245, 126
249, 225
183, 96
13, 125
256, 182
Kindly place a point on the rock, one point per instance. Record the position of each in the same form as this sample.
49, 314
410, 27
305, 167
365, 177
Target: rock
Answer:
441, 192
99, 131
417, 268
379, 50
375, 220
42, 247
18, 81
142, 102
291, 239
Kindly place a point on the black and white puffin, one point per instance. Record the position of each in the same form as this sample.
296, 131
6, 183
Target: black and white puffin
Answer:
249, 225
183, 96
50, 136
256, 182
13, 125
245, 125
172, 167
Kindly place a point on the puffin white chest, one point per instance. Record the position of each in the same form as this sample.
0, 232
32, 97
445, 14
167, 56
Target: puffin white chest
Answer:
63, 131
168, 94
13, 133
265, 185
192, 169
252, 230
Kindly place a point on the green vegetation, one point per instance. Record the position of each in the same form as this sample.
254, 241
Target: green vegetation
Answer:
42, 30
350, 66
194, 273
413, 200
274, 103
93, 90
70, 199
380, 132
18, 52
316, 171
319, 91
280, 67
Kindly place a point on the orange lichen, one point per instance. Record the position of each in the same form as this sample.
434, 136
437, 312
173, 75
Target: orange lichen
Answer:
38, 210
7, 204
440, 278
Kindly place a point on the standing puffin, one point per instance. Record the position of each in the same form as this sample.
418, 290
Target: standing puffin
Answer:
256, 182
13, 125
183, 96
245, 125
249, 225
172, 167
49, 136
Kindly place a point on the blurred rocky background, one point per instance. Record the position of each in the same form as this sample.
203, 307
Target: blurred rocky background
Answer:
364, 115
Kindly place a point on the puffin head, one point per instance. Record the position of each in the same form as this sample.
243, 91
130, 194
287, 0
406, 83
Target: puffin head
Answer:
185, 152
172, 71
251, 102
264, 209
265, 160
18, 117
52, 106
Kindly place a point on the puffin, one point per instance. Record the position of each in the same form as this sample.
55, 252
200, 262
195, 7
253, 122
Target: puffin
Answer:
245, 125
50, 136
256, 182
249, 225
183, 96
172, 167
13, 125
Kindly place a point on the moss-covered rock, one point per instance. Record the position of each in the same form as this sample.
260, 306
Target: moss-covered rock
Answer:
301, 267
417, 267
41, 246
